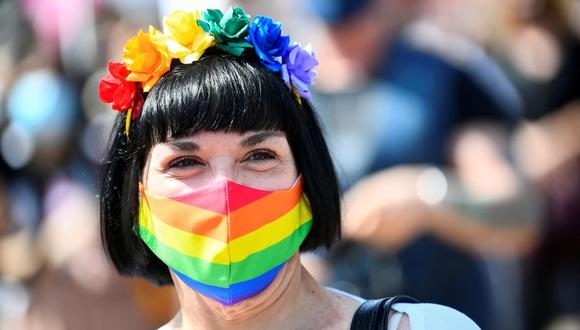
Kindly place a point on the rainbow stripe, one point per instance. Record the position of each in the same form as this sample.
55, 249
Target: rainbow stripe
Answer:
226, 241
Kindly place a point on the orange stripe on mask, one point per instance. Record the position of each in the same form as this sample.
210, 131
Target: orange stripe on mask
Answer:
188, 218
208, 223
263, 211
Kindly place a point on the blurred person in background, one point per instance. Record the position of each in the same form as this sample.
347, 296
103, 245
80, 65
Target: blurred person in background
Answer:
433, 81
52, 272
536, 42
481, 206
397, 82
538, 45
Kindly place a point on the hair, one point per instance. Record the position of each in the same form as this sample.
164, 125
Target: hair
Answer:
220, 92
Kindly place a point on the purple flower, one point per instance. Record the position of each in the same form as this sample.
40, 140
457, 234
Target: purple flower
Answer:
270, 45
297, 69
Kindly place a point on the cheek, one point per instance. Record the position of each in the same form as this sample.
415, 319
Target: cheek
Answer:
160, 185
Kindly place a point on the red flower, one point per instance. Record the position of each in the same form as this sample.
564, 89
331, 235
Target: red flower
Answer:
114, 88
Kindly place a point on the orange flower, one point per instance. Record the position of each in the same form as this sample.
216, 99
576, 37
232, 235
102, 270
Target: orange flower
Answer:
146, 57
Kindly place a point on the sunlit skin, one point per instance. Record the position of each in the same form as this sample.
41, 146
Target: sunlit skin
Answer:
262, 160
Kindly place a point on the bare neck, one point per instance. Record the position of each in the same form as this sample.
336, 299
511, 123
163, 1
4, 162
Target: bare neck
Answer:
293, 300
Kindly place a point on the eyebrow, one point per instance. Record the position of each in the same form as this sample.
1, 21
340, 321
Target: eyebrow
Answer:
183, 145
258, 138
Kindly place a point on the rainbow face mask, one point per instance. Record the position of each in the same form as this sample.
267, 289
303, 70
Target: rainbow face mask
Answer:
226, 241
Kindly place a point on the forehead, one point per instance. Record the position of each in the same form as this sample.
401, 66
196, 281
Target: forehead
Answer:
204, 138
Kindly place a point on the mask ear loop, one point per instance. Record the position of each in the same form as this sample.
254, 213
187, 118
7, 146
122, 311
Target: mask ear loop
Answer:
298, 179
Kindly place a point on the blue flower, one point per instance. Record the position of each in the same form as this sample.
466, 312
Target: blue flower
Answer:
270, 45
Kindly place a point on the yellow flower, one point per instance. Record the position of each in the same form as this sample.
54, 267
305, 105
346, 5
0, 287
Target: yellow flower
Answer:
186, 40
147, 57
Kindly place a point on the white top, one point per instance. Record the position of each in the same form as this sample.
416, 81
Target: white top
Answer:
431, 317
424, 316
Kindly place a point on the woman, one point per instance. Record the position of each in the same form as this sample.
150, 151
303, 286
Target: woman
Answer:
218, 175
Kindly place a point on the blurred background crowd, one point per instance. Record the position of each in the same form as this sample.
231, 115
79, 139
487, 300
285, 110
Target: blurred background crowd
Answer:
454, 124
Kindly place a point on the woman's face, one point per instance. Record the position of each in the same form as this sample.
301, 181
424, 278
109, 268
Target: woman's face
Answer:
258, 159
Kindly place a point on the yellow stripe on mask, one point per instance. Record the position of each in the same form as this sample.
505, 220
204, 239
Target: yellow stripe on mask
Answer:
271, 233
193, 245
215, 251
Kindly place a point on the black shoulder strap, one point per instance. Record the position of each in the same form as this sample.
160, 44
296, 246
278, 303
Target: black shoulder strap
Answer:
374, 314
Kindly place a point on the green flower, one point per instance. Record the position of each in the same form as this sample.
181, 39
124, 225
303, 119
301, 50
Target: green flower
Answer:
230, 29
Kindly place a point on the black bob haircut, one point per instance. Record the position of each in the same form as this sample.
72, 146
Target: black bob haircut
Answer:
220, 92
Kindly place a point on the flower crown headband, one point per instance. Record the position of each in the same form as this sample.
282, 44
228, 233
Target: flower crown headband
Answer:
186, 36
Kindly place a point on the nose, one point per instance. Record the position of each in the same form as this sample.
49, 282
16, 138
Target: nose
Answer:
222, 168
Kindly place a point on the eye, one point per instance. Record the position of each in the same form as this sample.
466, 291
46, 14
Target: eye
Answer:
261, 155
183, 162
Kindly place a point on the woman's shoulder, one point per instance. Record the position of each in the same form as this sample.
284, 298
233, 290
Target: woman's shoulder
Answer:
426, 316
420, 316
